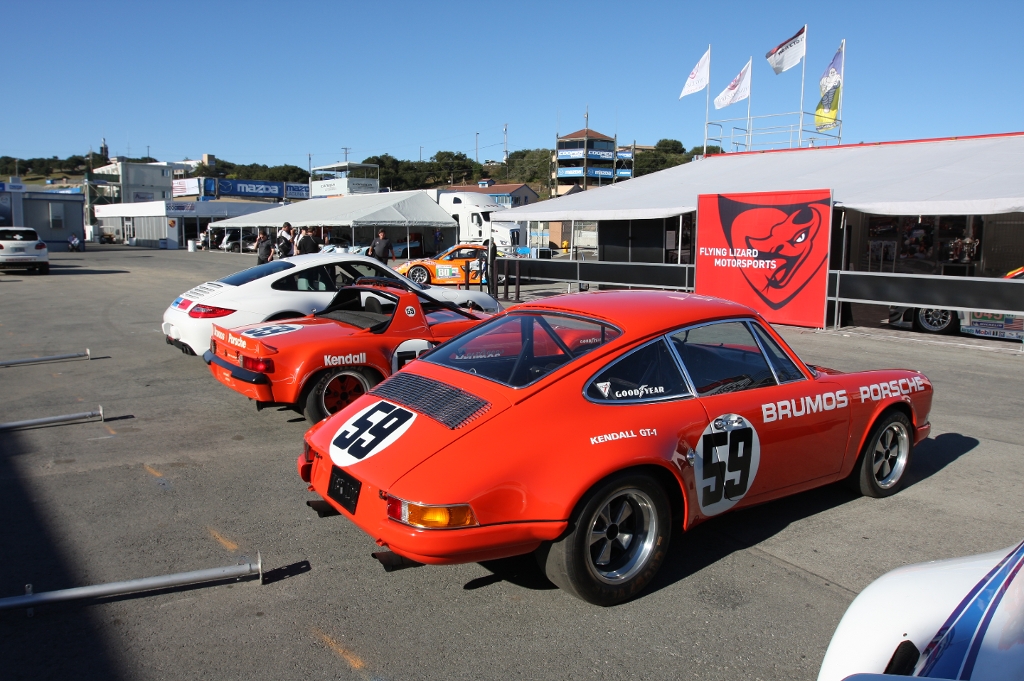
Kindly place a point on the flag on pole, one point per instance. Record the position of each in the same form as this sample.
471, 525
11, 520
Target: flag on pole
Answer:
831, 85
698, 78
789, 53
738, 90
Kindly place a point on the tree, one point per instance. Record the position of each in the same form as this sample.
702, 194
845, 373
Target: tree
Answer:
667, 146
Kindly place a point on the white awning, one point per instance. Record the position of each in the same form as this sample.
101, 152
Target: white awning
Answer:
966, 176
390, 209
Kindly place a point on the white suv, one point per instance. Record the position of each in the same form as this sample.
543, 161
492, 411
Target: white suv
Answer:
21, 249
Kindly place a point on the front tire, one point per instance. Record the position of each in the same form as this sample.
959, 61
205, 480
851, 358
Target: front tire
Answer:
934, 320
886, 456
420, 275
617, 541
334, 391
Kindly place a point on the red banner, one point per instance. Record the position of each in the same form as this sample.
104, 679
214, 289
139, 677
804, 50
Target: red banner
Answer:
768, 251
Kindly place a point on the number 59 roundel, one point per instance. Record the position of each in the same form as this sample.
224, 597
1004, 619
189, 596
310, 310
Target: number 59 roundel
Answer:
728, 454
369, 431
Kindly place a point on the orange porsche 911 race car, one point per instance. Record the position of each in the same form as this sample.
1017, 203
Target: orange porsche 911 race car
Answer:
448, 267
320, 363
586, 427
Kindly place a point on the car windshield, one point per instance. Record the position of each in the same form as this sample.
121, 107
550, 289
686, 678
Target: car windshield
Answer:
519, 349
18, 235
258, 272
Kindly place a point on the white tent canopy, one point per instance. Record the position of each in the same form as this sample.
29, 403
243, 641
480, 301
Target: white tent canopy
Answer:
966, 176
390, 209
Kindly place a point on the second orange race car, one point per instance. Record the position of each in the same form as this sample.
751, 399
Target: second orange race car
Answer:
320, 363
586, 427
448, 267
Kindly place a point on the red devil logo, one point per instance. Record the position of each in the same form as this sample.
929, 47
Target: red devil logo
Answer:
794, 236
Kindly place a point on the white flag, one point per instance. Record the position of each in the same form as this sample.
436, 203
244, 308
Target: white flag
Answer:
789, 53
698, 79
738, 90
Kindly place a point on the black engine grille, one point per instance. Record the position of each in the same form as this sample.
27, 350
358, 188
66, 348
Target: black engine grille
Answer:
449, 406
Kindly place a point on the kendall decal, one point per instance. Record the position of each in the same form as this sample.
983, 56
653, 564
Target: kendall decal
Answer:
623, 435
351, 358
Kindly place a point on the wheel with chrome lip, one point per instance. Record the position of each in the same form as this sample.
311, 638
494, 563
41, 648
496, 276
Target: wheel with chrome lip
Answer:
334, 391
617, 541
420, 275
886, 457
934, 320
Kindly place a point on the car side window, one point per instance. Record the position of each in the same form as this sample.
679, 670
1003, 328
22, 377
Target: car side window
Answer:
311, 279
785, 369
722, 358
644, 375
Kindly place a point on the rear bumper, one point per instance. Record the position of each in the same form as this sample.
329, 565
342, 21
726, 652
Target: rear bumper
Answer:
249, 383
20, 262
922, 432
435, 547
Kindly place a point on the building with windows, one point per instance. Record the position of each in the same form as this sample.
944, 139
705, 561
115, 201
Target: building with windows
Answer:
588, 159
508, 195
54, 215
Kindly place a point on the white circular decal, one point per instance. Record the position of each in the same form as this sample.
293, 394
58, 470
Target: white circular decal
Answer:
728, 454
410, 311
368, 432
270, 330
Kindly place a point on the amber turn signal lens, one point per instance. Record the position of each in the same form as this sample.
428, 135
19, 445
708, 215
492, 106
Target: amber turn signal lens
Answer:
431, 517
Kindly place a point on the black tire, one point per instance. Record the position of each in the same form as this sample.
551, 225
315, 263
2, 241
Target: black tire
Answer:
420, 275
608, 571
335, 390
43, 269
934, 320
882, 468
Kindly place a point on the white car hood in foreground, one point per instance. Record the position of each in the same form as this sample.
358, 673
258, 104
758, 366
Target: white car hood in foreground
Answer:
965, 616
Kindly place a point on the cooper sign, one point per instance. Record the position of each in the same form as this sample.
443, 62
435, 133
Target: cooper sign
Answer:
768, 251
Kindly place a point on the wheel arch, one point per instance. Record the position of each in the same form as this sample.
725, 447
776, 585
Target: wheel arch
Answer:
883, 410
662, 474
288, 314
314, 376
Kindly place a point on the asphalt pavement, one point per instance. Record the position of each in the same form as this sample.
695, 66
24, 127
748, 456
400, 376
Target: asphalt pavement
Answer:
184, 474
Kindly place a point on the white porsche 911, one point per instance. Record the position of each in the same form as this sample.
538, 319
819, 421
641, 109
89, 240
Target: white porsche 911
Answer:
282, 289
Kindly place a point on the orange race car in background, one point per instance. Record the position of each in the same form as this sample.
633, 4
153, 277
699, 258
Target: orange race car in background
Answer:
448, 267
320, 363
586, 427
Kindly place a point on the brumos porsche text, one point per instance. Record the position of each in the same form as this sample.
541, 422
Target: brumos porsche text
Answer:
774, 411
233, 340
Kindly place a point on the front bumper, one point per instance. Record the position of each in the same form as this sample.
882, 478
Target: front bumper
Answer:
435, 547
249, 383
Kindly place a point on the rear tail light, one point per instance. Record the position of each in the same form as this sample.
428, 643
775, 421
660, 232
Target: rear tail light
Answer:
262, 366
213, 346
307, 452
431, 517
40, 246
1, 247
208, 312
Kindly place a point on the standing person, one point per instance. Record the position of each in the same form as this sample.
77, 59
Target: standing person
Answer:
438, 239
306, 243
285, 241
381, 248
264, 249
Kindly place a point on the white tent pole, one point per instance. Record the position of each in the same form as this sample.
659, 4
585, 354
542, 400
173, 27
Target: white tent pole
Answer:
803, 74
842, 92
707, 105
750, 96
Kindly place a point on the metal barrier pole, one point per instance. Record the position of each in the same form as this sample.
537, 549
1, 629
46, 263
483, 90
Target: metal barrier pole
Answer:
134, 585
505, 297
517, 282
50, 358
52, 419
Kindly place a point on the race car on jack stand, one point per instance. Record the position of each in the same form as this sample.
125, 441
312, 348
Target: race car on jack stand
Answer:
643, 410
320, 363
448, 267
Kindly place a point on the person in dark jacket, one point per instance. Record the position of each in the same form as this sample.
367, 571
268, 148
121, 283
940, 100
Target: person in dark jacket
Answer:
381, 248
285, 241
306, 243
264, 249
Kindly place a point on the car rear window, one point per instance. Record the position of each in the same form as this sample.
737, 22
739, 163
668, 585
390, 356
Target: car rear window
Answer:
518, 349
258, 272
18, 235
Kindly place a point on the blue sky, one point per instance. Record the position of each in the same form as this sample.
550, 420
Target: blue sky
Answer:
269, 82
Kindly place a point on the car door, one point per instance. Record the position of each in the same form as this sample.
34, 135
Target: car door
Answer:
772, 428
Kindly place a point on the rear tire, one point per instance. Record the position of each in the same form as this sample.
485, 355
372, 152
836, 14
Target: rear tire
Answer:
335, 390
883, 464
43, 269
616, 542
934, 320
420, 275
284, 315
